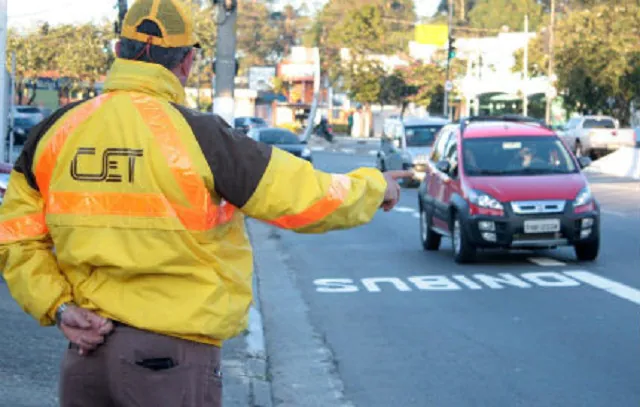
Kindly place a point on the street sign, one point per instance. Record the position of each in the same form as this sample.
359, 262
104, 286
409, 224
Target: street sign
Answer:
448, 86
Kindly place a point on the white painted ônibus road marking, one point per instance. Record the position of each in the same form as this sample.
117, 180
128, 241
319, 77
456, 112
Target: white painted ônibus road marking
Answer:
546, 262
416, 215
612, 287
404, 209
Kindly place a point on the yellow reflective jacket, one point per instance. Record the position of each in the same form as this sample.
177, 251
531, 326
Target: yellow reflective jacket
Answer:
144, 202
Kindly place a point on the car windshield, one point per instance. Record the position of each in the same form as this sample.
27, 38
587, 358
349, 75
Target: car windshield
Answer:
278, 137
421, 135
25, 121
516, 156
599, 124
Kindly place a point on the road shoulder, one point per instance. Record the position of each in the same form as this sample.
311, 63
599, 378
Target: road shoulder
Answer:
301, 367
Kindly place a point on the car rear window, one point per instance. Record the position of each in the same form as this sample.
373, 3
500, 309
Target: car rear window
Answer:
28, 110
516, 156
257, 120
421, 135
278, 137
599, 124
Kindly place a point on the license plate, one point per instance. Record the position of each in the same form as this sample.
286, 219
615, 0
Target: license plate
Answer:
542, 226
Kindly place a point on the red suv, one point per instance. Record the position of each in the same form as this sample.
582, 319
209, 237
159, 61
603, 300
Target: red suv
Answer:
506, 182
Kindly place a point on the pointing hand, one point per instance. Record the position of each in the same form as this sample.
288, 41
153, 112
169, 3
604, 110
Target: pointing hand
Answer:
392, 194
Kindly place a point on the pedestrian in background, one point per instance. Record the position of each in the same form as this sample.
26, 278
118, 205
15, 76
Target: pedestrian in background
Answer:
144, 201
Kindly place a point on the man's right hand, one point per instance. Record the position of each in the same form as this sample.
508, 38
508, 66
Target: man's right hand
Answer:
392, 194
84, 328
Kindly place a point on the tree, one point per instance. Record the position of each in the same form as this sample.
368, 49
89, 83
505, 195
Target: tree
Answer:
81, 53
597, 55
394, 90
332, 28
538, 58
495, 14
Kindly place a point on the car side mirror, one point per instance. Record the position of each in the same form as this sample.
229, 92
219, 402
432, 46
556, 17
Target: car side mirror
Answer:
584, 162
443, 166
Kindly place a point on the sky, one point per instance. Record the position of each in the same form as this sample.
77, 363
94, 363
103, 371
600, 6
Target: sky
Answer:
27, 13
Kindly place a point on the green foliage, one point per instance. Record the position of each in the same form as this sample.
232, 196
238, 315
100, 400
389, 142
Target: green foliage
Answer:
362, 79
597, 56
369, 26
495, 14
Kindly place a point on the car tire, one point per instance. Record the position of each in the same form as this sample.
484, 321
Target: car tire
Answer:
430, 239
588, 251
463, 251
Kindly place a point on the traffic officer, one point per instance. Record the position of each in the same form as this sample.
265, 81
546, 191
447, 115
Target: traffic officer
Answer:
144, 201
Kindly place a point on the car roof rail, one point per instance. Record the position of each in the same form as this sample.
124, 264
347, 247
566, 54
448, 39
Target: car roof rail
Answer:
512, 118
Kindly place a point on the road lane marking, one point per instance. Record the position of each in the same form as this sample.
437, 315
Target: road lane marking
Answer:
610, 286
404, 209
458, 282
546, 262
348, 150
373, 152
416, 215
614, 213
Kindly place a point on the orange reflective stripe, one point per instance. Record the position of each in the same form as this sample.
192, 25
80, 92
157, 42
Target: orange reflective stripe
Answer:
47, 162
23, 227
109, 203
202, 214
338, 191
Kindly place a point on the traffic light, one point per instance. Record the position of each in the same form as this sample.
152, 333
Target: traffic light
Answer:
452, 48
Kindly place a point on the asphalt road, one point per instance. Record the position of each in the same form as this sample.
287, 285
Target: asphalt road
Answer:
412, 328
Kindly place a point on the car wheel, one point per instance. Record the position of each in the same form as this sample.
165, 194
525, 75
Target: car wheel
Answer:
381, 165
588, 251
430, 239
463, 250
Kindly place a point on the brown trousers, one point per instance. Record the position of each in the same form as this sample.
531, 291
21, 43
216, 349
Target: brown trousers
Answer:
115, 375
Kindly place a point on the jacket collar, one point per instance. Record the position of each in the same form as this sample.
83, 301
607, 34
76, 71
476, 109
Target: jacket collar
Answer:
151, 79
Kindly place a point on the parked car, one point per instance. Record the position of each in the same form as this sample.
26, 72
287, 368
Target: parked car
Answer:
406, 144
247, 123
593, 136
28, 111
283, 139
22, 126
5, 171
506, 183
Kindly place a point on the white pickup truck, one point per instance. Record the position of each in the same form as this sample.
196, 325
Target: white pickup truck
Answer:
596, 135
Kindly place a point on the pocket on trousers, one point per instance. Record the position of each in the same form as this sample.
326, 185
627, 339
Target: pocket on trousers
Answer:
143, 387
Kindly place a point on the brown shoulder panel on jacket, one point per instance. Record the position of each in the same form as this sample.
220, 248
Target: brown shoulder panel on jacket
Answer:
24, 163
237, 162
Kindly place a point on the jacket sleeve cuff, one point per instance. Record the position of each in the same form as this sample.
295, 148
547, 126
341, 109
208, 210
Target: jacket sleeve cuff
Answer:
50, 317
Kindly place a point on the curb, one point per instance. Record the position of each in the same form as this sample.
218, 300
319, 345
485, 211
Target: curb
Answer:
260, 393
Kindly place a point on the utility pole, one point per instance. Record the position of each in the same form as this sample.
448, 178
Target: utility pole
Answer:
11, 102
525, 68
4, 97
225, 62
446, 91
550, 74
122, 12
